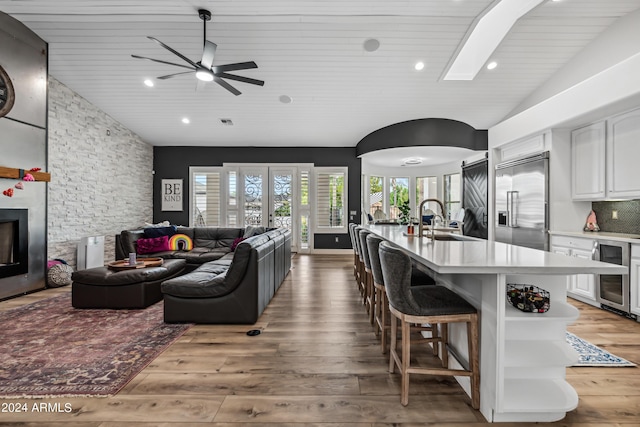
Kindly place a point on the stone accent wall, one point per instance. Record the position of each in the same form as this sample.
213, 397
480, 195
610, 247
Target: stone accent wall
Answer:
101, 175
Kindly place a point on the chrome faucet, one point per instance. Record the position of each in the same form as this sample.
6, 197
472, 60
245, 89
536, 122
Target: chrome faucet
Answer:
420, 224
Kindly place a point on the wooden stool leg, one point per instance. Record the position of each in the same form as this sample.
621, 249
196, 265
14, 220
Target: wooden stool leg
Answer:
444, 340
372, 300
393, 343
406, 357
383, 320
472, 334
435, 336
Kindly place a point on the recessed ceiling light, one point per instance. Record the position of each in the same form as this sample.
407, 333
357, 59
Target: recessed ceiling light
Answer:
186, 120
148, 82
419, 66
491, 65
371, 45
285, 99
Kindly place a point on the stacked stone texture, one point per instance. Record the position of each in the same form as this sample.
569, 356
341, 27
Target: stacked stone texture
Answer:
101, 175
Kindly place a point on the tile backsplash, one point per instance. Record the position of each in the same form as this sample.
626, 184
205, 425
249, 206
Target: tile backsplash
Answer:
628, 216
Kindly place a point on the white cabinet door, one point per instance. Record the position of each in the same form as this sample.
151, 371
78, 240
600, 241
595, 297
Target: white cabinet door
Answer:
584, 284
567, 252
634, 279
588, 148
623, 152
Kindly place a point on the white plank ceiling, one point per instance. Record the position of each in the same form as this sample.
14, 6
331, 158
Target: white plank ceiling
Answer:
309, 50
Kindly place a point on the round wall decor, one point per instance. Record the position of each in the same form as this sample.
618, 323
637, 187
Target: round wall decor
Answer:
7, 95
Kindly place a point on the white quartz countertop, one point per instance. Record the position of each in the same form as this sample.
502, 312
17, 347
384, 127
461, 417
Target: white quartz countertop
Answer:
601, 235
488, 257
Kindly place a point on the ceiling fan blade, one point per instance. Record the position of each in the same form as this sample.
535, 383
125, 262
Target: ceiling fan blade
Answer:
175, 52
234, 67
168, 76
160, 61
241, 79
208, 53
227, 86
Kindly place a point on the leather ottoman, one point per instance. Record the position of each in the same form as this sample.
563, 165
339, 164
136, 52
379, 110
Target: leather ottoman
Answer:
103, 287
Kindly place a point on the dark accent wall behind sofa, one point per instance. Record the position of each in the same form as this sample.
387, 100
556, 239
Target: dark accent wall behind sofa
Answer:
174, 163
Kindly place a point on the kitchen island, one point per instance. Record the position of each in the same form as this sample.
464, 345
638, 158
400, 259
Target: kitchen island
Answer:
523, 356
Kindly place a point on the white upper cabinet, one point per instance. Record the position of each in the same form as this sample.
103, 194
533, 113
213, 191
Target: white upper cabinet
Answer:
588, 148
623, 152
604, 159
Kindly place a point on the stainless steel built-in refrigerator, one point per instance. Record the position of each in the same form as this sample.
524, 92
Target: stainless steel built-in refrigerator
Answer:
522, 194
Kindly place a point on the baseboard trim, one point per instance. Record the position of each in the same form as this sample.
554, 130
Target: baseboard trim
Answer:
332, 251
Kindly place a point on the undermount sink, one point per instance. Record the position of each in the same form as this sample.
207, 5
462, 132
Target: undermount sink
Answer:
444, 237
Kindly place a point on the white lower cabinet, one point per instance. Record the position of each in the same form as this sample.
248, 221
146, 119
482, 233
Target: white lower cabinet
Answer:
634, 280
579, 286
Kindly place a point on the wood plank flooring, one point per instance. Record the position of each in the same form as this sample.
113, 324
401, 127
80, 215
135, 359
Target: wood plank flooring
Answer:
318, 363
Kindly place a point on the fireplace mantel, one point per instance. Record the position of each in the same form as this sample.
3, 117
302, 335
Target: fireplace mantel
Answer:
14, 173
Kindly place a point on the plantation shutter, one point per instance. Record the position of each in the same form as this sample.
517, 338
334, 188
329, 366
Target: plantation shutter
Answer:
207, 199
330, 199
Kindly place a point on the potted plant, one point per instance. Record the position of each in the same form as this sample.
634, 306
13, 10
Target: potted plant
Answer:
405, 212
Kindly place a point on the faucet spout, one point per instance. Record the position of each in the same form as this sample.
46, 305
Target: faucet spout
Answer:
420, 224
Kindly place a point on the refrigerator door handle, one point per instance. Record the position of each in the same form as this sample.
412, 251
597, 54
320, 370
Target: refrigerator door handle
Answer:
595, 251
512, 218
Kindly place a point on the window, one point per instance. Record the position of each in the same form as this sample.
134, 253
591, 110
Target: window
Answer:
452, 195
376, 209
398, 196
427, 188
206, 190
331, 198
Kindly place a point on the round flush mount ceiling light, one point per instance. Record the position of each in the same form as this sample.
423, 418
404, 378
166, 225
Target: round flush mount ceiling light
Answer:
204, 75
412, 161
148, 83
371, 45
419, 66
285, 99
186, 120
491, 65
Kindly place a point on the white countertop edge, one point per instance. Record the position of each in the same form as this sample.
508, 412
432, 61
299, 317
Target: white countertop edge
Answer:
601, 235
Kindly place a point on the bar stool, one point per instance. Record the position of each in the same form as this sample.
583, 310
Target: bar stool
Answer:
360, 278
382, 314
369, 298
426, 304
352, 227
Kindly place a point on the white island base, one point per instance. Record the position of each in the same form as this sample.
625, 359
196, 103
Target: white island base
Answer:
523, 356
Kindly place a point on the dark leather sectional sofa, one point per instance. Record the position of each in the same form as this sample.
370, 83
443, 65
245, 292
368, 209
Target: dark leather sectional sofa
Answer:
223, 286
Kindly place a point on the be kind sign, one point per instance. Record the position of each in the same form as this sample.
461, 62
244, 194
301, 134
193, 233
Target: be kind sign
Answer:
172, 195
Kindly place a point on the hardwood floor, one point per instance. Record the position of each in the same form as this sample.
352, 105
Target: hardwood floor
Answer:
318, 362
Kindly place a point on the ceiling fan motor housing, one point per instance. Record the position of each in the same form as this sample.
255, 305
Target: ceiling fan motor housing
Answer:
204, 14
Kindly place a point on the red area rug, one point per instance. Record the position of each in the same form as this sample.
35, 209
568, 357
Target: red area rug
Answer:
49, 348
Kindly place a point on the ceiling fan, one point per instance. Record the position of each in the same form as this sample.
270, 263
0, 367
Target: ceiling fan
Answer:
204, 69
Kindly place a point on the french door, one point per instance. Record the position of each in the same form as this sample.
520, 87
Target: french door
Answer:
267, 195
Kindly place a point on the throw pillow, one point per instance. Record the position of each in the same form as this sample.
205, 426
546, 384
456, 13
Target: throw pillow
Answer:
59, 275
150, 246
152, 232
236, 242
180, 242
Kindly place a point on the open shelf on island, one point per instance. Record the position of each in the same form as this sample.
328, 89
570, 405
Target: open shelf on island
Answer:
543, 395
557, 311
536, 353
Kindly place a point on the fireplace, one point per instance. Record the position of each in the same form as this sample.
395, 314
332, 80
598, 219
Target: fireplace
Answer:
14, 242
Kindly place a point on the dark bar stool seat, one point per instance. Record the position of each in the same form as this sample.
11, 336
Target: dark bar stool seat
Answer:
426, 304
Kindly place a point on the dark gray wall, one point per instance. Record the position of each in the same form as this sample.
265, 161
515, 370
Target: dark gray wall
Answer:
23, 144
174, 163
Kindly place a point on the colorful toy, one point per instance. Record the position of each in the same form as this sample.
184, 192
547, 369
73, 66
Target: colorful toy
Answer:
19, 186
8, 192
28, 177
180, 242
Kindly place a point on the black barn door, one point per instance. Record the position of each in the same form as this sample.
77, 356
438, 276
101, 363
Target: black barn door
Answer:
475, 197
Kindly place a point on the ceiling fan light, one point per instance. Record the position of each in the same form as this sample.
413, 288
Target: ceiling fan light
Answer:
204, 75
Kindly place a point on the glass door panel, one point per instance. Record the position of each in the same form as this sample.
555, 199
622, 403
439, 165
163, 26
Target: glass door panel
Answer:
253, 197
281, 199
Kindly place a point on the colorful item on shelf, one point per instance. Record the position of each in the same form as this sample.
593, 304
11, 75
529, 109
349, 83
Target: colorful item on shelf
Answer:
19, 186
28, 177
592, 222
527, 298
35, 169
8, 192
